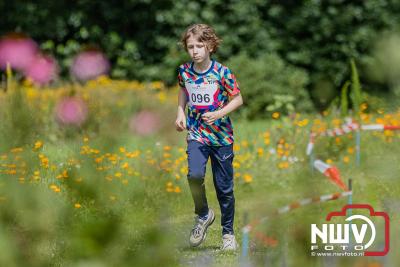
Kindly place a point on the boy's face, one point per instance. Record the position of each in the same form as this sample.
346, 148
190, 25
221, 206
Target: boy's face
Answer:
197, 50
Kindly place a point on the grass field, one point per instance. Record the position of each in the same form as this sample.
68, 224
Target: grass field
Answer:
102, 195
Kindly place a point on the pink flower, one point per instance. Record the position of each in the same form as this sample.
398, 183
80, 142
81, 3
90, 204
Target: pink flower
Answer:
42, 69
71, 111
18, 50
145, 123
89, 64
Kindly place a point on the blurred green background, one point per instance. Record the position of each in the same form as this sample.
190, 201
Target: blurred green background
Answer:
93, 173
312, 40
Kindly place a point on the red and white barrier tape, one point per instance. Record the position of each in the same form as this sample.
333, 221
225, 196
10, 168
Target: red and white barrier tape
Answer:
379, 127
347, 128
295, 205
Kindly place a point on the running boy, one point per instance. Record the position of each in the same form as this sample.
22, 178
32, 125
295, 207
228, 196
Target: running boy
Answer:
211, 92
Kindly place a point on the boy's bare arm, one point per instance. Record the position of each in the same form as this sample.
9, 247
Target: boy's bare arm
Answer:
182, 101
180, 122
234, 103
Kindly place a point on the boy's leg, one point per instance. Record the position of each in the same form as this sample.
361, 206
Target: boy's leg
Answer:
221, 162
197, 159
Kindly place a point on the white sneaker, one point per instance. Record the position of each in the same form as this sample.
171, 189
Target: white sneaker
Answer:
229, 242
199, 231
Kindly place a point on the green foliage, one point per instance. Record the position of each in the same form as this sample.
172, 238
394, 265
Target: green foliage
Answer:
43, 227
344, 103
318, 36
355, 95
140, 36
322, 35
19, 122
379, 103
268, 84
99, 218
125, 29
384, 66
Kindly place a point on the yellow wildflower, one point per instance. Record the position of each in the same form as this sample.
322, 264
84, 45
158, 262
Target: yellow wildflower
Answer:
94, 151
245, 144
17, 149
162, 96
184, 170
338, 140
236, 164
236, 147
133, 154
38, 144
275, 115
157, 85
283, 165
12, 172
363, 106
388, 133
55, 188
177, 189
247, 178
125, 165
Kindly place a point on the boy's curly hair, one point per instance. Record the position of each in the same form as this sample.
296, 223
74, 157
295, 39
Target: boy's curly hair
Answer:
204, 33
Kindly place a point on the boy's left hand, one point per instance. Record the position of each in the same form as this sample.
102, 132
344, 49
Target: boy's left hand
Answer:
211, 117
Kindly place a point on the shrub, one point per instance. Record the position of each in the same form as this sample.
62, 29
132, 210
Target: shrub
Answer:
269, 84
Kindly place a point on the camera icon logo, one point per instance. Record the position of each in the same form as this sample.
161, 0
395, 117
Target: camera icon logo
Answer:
337, 236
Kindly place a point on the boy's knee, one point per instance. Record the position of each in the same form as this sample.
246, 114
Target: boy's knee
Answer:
196, 175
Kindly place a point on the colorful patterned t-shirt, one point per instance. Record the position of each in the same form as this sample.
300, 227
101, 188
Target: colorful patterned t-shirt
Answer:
208, 91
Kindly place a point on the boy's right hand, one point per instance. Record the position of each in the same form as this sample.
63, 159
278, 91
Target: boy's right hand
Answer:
180, 122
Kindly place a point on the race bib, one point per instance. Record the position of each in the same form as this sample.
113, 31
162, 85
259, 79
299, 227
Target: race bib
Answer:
201, 94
